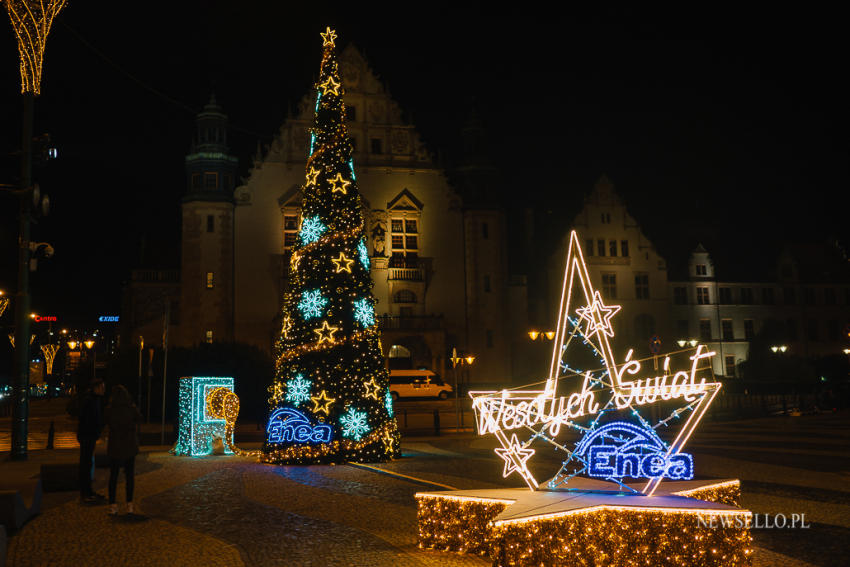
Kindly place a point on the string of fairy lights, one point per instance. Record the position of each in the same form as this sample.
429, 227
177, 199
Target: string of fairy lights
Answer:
329, 367
31, 22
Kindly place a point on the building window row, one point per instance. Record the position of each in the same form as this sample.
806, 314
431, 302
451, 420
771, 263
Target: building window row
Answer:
606, 248
746, 295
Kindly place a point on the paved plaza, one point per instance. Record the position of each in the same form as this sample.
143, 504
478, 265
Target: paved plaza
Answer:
225, 510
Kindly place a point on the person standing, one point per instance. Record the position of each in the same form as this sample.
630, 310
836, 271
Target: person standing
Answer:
122, 417
88, 431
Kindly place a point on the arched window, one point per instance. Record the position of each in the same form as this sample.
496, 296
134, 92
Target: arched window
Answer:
398, 351
404, 296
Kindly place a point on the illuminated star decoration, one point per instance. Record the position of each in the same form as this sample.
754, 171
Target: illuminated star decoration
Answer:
322, 403
598, 316
339, 183
277, 389
328, 37
388, 439
326, 332
372, 389
4, 302
338, 262
294, 261
625, 388
330, 86
514, 455
313, 175
287, 326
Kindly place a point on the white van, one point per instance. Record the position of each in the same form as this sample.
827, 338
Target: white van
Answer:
417, 384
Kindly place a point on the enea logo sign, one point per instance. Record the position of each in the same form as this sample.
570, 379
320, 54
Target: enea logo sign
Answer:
108, 318
620, 449
287, 425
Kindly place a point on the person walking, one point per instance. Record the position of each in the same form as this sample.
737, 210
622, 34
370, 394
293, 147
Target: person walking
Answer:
88, 431
122, 418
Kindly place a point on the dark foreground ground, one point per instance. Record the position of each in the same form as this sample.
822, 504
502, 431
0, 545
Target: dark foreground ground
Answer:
232, 511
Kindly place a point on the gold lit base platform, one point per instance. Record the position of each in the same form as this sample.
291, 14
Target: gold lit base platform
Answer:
592, 523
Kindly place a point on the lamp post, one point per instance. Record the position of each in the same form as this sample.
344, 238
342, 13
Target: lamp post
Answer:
459, 361
139, 385
90, 345
31, 22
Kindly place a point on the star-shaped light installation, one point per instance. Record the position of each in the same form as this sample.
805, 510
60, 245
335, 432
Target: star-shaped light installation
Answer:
326, 333
322, 403
328, 37
330, 86
342, 263
313, 175
339, 184
373, 389
612, 388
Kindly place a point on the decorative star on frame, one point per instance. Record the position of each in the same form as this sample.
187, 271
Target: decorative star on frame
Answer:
372, 389
322, 403
598, 315
326, 333
514, 455
328, 37
339, 184
388, 439
313, 175
338, 262
278, 391
330, 86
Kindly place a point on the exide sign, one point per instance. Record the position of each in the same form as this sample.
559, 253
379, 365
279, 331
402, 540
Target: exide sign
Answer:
108, 318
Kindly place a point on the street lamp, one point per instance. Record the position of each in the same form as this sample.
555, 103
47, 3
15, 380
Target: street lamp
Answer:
459, 360
779, 348
690, 342
533, 335
90, 345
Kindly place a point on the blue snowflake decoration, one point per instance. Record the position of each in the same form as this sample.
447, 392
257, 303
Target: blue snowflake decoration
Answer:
298, 390
364, 312
312, 303
388, 403
311, 230
363, 253
354, 424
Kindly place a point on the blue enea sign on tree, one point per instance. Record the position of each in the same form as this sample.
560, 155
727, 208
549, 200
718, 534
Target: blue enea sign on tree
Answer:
288, 425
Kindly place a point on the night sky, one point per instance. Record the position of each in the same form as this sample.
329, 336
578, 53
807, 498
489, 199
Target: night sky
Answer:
726, 128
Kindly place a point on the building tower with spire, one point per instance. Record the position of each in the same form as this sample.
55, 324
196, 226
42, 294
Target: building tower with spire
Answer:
206, 298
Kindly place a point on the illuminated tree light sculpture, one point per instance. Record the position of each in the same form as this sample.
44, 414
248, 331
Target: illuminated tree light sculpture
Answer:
49, 355
327, 400
31, 20
4, 303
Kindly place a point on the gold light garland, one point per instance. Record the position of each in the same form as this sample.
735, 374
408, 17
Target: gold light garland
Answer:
31, 20
4, 303
299, 454
49, 355
615, 535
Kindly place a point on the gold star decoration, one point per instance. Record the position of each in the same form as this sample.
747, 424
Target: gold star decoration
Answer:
372, 389
388, 439
330, 86
338, 262
293, 261
313, 175
328, 37
340, 184
322, 403
326, 333
287, 326
515, 456
598, 316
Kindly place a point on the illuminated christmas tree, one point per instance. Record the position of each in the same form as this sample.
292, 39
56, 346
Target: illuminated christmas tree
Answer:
330, 398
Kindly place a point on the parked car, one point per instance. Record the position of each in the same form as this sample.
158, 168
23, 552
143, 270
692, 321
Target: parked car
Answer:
417, 384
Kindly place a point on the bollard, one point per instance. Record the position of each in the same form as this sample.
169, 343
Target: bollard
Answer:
437, 423
50, 434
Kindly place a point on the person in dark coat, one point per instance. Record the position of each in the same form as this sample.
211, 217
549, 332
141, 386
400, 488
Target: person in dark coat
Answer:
88, 431
122, 417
